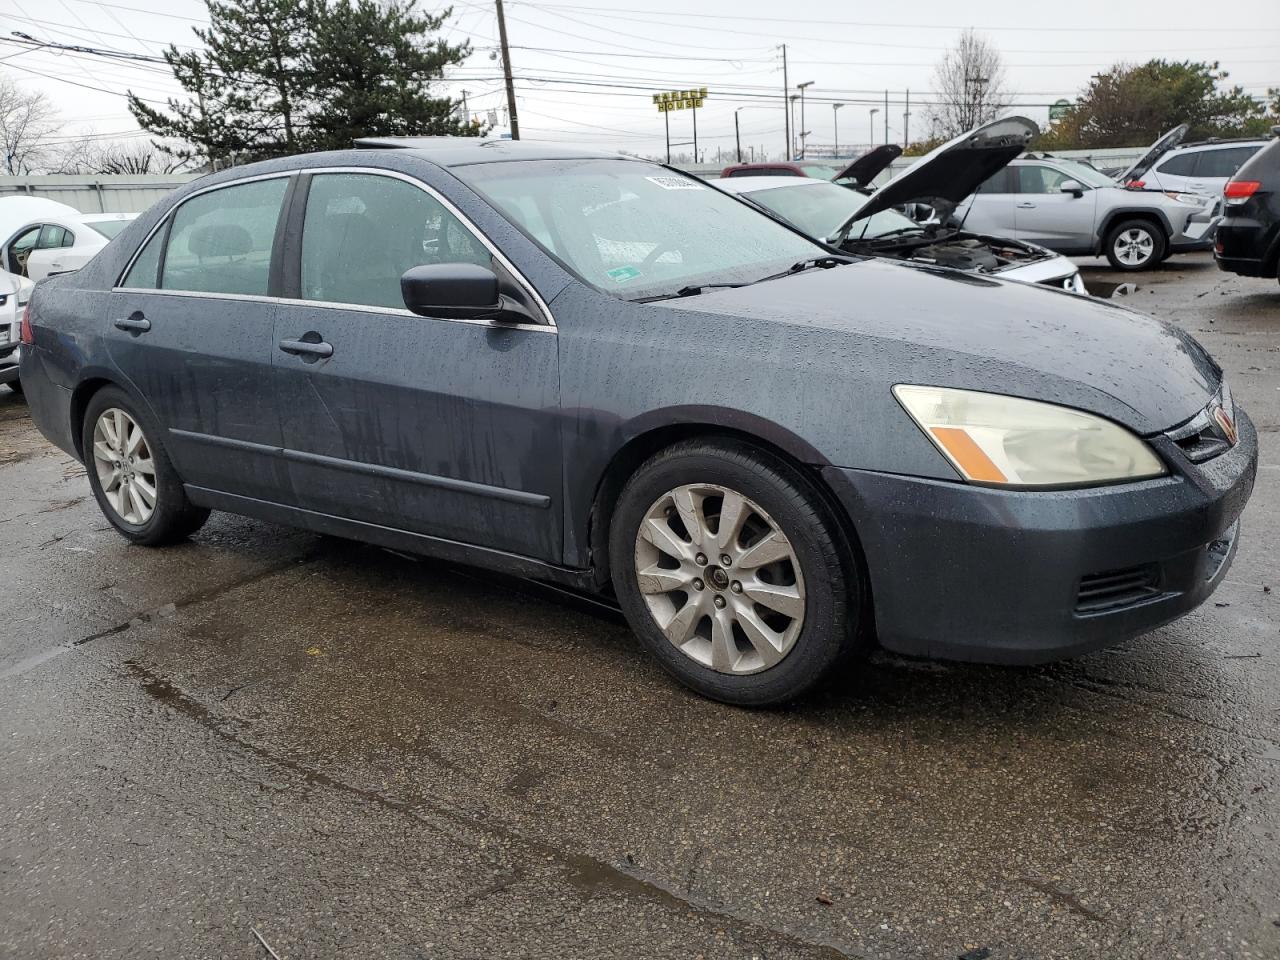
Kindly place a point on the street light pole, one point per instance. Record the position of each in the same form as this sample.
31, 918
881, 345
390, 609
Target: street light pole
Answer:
835, 124
800, 87
506, 73
737, 136
791, 147
874, 111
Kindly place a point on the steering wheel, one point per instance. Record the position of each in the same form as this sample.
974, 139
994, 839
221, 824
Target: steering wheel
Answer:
656, 252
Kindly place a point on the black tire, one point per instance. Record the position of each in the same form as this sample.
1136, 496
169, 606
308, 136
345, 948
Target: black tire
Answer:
16, 386
174, 517
833, 605
1120, 236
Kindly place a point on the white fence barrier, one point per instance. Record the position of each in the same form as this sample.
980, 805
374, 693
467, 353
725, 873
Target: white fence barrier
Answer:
123, 193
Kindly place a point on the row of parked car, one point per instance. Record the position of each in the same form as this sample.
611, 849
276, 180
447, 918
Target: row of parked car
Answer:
981, 203
770, 451
41, 238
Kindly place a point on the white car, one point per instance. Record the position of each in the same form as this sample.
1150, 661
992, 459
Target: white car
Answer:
862, 222
1203, 167
20, 221
67, 244
14, 294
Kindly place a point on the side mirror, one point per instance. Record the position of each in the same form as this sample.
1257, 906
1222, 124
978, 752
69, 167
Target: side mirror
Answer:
462, 291
1073, 187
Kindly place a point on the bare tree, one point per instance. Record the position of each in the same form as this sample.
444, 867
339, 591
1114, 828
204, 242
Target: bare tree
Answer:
134, 156
27, 120
969, 83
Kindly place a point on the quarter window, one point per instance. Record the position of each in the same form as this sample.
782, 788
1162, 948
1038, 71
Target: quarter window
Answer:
52, 236
221, 241
362, 232
142, 275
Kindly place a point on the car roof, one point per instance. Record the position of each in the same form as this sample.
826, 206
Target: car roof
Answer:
460, 151
752, 184
105, 217
1225, 142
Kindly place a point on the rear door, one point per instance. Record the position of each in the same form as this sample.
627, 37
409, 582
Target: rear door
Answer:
1049, 217
1174, 171
1217, 166
440, 427
191, 328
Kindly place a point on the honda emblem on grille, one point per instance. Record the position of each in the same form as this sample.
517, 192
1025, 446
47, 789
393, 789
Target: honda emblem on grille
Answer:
1224, 421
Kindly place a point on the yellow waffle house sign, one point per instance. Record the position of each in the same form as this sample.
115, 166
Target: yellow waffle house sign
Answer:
680, 100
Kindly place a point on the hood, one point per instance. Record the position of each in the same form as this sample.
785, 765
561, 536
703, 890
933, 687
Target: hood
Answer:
929, 325
868, 166
945, 176
1154, 153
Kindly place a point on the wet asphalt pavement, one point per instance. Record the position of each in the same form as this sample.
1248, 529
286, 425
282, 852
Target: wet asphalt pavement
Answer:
362, 755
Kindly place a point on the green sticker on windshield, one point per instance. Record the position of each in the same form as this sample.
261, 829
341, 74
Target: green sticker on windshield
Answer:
623, 274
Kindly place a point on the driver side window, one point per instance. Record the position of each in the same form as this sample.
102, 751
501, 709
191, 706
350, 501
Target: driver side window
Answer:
20, 249
362, 232
1039, 179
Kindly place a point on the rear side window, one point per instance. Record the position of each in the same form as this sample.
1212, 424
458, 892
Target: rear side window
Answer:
999, 182
220, 241
52, 236
1224, 162
362, 232
1180, 164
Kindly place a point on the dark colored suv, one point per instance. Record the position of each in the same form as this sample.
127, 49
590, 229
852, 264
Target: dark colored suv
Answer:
1249, 234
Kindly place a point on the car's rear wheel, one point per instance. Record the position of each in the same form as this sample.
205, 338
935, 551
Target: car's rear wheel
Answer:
16, 386
130, 474
1135, 245
733, 574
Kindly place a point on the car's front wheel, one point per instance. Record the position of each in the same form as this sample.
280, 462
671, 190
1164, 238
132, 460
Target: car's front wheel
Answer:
16, 386
1135, 245
132, 479
733, 574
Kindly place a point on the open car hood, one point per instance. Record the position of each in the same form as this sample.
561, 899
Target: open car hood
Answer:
1154, 153
868, 166
945, 176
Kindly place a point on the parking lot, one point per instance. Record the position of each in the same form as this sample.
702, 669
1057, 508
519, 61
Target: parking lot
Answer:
358, 754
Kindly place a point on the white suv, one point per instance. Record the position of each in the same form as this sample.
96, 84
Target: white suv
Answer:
1199, 167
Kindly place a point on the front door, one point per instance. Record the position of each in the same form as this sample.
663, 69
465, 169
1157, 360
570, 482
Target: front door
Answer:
440, 427
191, 328
1049, 217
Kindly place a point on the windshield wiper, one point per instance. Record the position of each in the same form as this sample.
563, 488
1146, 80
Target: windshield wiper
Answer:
824, 262
891, 233
690, 291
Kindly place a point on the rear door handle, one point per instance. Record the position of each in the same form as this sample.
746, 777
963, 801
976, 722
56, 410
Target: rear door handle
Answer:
307, 348
1026, 206
134, 323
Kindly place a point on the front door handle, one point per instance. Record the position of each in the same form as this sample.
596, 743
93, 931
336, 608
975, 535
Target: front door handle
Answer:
1026, 206
307, 348
134, 323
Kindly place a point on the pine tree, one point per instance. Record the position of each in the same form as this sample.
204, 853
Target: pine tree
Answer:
275, 77
372, 65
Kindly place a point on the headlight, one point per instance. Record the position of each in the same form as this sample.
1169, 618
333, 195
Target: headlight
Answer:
1077, 284
1194, 199
1007, 441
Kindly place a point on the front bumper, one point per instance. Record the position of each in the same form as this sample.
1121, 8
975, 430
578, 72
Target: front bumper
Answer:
998, 576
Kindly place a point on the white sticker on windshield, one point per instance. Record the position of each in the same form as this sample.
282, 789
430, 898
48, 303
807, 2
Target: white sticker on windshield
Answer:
675, 183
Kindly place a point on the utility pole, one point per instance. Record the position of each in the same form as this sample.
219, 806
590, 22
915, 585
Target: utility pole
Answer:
803, 128
786, 117
906, 122
791, 147
506, 73
872, 124
835, 124
465, 117
666, 122
695, 131
886, 116
737, 136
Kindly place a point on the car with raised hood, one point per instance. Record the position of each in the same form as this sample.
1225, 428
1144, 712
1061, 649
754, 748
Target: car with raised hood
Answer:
1248, 240
601, 372
863, 221
1071, 208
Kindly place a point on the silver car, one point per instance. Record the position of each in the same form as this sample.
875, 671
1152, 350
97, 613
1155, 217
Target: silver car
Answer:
1071, 208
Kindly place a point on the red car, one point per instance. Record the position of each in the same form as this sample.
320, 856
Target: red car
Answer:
820, 171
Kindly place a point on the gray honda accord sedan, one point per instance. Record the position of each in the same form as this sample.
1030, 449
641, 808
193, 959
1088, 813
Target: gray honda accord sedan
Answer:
600, 372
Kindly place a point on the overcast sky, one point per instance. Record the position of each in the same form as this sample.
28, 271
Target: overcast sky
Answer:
586, 71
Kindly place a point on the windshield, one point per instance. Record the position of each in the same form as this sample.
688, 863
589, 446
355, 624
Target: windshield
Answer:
635, 229
817, 172
108, 228
1086, 175
821, 209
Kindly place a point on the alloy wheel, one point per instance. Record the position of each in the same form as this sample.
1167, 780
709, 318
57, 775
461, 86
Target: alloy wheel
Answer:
720, 578
1135, 246
126, 471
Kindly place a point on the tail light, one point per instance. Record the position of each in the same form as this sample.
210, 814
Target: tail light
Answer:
27, 337
1238, 191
